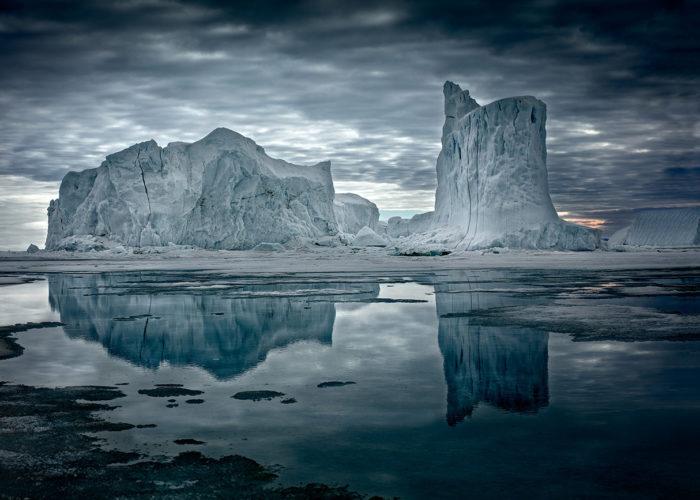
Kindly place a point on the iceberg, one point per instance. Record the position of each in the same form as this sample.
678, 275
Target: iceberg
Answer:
398, 226
221, 192
353, 212
662, 227
492, 186
225, 192
366, 237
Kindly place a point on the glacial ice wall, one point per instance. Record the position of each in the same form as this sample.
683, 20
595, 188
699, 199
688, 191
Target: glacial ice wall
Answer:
492, 187
667, 227
221, 192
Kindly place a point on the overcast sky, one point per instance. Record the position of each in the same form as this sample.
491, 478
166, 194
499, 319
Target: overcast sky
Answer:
359, 83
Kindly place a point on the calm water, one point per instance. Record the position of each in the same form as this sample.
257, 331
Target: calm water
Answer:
466, 383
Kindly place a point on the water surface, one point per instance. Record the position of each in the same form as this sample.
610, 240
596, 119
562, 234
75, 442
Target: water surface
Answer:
464, 383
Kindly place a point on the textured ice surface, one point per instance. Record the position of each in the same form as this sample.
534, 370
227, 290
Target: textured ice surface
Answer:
398, 226
366, 237
492, 188
222, 191
668, 227
353, 212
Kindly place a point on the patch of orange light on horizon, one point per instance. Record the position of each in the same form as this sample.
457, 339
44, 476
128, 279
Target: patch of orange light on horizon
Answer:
584, 221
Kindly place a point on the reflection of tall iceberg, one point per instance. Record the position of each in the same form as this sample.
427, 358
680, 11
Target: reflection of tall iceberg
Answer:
504, 367
223, 333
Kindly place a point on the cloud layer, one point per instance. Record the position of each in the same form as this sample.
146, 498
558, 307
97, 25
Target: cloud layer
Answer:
359, 83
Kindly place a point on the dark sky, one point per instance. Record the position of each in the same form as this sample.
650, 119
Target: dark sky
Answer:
358, 83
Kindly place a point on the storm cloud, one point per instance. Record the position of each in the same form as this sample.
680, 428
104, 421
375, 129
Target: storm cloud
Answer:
358, 83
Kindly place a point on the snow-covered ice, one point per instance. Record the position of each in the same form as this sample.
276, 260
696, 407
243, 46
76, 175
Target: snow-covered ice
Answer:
319, 259
667, 227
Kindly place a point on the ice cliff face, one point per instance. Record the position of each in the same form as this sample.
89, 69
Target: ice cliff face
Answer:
220, 192
353, 212
668, 227
492, 187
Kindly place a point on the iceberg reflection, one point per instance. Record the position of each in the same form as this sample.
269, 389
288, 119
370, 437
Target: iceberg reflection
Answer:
228, 326
504, 367
219, 332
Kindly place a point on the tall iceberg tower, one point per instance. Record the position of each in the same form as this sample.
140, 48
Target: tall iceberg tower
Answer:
492, 187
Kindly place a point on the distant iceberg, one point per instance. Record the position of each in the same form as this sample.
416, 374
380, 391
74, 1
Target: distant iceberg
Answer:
663, 227
353, 212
